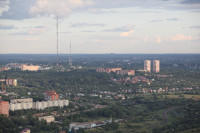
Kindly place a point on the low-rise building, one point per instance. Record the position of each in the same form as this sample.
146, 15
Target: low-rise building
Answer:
123, 72
48, 119
4, 69
108, 70
27, 130
78, 126
51, 95
4, 108
11, 82
29, 68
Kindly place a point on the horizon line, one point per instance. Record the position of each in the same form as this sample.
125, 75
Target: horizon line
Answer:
87, 53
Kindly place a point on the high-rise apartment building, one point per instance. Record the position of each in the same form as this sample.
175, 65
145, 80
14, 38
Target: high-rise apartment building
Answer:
156, 66
4, 108
147, 65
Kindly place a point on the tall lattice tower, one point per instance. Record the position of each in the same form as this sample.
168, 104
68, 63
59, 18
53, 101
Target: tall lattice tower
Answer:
57, 40
70, 58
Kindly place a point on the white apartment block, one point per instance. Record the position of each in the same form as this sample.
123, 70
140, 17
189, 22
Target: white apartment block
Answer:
156, 66
25, 100
147, 65
38, 105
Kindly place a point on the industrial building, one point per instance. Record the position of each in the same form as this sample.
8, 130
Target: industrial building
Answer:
147, 65
156, 66
29, 68
4, 108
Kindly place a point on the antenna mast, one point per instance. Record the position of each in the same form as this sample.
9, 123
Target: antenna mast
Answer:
57, 40
70, 59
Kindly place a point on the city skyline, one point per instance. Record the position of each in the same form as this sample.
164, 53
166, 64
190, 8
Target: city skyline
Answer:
94, 26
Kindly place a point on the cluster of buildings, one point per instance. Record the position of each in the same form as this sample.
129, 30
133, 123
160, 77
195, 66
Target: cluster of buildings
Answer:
156, 66
166, 89
4, 69
51, 95
116, 70
27, 103
147, 68
88, 125
132, 80
8, 82
12, 82
23, 67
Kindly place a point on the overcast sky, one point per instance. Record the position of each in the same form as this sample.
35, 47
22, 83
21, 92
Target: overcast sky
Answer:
100, 26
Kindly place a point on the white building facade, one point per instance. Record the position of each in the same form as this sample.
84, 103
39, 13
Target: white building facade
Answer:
38, 105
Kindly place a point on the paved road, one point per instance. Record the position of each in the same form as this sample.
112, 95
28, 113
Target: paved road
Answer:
164, 116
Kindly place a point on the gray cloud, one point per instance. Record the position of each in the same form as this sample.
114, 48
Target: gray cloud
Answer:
87, 24
65, 32
100, 11
20, 33
88, 31
3, 3
20, 9
172, 19
120, 29
156, 20
195, 27
5, 27
190, 2
40, 26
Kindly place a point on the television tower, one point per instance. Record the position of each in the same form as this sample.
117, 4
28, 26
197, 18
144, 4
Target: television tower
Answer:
70, 58
57, 40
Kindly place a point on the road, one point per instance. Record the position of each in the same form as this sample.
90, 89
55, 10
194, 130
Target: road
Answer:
164, 116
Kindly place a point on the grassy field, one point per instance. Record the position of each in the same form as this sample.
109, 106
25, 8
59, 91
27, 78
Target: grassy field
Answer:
181, 96
194, 130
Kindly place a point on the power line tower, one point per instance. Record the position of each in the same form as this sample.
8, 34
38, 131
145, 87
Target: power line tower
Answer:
57, 40
70, 58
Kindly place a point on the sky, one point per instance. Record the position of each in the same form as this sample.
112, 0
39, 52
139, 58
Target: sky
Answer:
100, 26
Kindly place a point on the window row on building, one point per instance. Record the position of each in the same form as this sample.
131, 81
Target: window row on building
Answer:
156, 66
117, 70
38, 105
